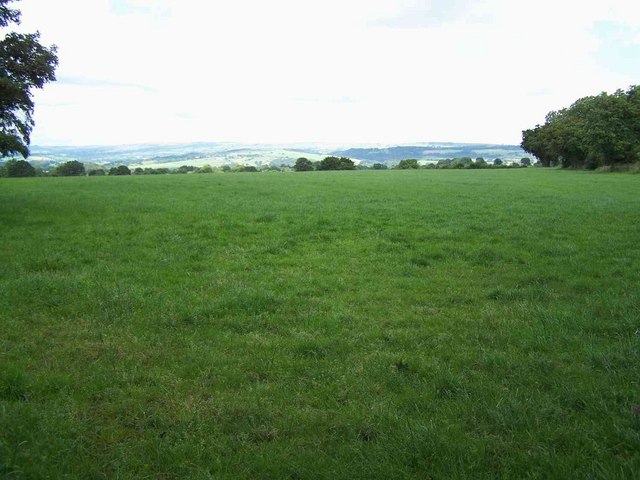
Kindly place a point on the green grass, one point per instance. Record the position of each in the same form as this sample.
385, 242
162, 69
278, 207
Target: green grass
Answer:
402, 324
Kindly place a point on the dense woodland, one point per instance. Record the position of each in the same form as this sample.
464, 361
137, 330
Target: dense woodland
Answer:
597, 131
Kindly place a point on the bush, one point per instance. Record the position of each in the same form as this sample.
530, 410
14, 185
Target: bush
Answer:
620, 168
97, 172
379, 166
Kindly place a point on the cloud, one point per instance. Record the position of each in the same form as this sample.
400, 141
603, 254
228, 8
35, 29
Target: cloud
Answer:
157, 9
100, 84
288, 70
424, 14
619, 47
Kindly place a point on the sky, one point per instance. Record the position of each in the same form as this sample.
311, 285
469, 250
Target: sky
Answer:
324, 71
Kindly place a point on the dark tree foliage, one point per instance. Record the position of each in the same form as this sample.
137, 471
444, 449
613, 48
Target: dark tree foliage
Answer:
379, 166
497, 162
96, 172
72, 168
336, 163
593, 132
408, 164
303, 165
19, 168
120, 170
185, 169
525, 162
25, 64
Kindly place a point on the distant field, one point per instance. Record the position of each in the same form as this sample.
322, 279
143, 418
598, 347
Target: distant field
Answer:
399, 324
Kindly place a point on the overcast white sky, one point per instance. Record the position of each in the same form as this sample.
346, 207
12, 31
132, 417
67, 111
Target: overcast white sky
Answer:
336, 71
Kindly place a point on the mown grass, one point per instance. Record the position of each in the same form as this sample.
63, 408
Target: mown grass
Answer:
404, 324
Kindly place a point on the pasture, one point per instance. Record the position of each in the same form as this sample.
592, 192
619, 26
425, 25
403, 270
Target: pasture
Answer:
402, 324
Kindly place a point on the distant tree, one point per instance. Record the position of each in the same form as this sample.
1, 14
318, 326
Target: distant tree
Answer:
96, 172
157, 171
226, 168
379, 166
138, 171
25, 65
525, 162
248, 169
303, 165
335, 163
329, 163
204, 169
497, 162
478, 164
120, 170
72, 168
408, 164
19, 168
462, 162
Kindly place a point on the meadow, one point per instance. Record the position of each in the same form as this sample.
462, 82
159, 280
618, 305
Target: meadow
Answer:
397, 324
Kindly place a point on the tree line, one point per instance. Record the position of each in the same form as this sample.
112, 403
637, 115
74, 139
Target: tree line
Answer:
74, 168
342, 163
596, 131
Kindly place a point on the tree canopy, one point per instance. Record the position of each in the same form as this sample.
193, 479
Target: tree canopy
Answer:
408, 164
303, 165
25, 64
335, 163
72, 168
19, 168
120, 170
595, 131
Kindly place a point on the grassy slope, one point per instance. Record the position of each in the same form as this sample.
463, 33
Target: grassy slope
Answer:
426, 324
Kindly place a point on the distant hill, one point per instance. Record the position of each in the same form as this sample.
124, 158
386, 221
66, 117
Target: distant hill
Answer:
221, 153
433, 151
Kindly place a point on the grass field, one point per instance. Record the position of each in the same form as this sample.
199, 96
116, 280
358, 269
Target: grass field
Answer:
400, 324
